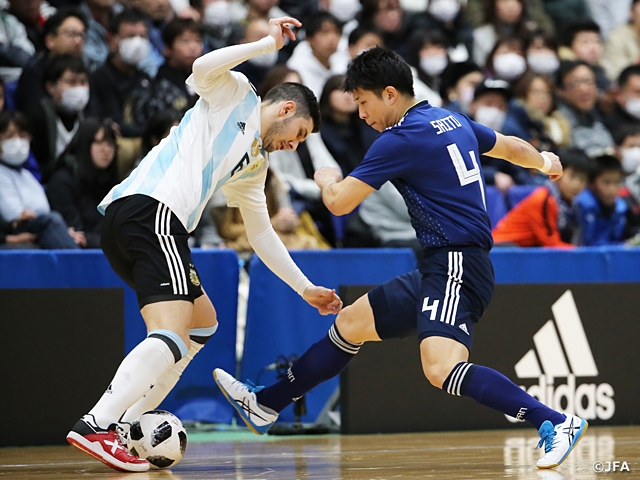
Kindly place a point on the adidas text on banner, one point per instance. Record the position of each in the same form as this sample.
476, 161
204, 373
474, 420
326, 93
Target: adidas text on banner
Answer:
243, 398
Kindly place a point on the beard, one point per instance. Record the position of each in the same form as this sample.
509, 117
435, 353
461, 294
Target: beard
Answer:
274, 130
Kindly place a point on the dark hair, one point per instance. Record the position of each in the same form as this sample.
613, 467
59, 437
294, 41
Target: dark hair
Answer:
8, 117
336, 82
524, 84
56, 66
126, 16
604, 164
361, 31
306, 102
314, 23
452, 75
575, 159
621, 134
548, 39
378, 68
572, 29
177, 27
93, 180
628, 73
492, 16
567, 67
158, 126
54, 22
274, 77
420, 40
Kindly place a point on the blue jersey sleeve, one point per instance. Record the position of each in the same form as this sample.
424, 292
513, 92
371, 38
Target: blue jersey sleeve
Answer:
485, 136
387, 159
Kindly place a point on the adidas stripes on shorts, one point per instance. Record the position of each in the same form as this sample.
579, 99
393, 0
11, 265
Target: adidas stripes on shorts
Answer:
147, 246
444, 297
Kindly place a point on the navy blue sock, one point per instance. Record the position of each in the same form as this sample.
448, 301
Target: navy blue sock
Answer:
323, 360
492, 389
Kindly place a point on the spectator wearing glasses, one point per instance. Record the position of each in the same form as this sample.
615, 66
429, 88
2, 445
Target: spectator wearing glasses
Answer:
64, 34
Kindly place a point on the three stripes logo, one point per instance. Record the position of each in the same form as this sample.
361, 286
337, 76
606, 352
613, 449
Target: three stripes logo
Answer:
242, 126
547, 363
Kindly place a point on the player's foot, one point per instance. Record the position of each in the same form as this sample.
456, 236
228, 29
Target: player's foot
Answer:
105, 446
559, 440
243, 399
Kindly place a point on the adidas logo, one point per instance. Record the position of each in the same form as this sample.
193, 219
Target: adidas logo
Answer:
463, 327
547, 362
241, 126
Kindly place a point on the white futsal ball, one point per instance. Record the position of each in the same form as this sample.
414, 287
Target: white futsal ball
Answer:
158, 436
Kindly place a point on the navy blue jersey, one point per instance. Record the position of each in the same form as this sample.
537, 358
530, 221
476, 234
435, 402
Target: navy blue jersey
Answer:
432, 156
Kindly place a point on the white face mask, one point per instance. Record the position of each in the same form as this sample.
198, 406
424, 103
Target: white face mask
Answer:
509, 65
15, 151
344, 10
543, 62
266, 60
134, 49
633, 107
434, 65
217, 13
444, 10
490, 117
631, 160
74, 99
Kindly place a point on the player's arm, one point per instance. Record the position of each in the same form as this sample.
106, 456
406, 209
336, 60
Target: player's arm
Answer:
210, 66
341, 196
519, 152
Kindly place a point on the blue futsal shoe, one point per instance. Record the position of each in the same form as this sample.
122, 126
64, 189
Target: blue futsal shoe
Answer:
243, 399
558, 441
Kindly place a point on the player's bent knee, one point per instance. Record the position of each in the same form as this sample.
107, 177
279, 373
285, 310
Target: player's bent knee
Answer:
436, 373
350, 325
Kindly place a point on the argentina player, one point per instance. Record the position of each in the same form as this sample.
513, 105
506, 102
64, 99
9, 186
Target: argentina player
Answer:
220, 144
432, 157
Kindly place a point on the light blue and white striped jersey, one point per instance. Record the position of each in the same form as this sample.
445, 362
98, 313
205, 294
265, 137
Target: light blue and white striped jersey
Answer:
216, 146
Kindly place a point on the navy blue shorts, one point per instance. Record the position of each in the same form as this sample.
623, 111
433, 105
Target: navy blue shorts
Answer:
444, 297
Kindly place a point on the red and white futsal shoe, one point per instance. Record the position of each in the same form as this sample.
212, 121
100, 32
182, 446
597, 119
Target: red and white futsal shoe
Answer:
104, 445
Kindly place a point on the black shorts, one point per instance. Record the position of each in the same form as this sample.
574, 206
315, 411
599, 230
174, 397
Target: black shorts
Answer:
147, 246
444, 297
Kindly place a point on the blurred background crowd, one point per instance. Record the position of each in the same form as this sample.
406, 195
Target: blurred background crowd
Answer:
88, 87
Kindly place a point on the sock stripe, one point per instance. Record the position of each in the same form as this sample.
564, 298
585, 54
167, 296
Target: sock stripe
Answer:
341, 343
456, 377
173, 341
202, 335
463, 371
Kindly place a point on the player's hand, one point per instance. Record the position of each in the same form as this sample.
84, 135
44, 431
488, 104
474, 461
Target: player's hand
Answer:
325, 300
327, 176
280, 30
556, 167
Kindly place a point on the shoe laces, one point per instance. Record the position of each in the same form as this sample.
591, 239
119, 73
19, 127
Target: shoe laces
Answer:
252, 387
547, 434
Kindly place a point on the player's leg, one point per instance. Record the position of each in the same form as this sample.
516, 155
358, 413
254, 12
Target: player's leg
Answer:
385, 312
445, 332
203, 325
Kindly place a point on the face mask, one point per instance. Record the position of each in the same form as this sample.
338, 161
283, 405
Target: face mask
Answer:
133, 50
631, 160
74, 99
490, 117
633, 107
543, 62
15, 151
266, 60
509, 65
217, 14
444, 10
344, 10
433, 65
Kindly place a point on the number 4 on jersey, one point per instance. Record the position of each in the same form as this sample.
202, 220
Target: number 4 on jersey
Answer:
465, 175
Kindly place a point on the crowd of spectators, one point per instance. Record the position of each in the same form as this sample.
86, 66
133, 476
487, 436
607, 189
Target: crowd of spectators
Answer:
88, 87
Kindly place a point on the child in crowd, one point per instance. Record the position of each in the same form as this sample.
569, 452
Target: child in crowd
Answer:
602, 212
547, 217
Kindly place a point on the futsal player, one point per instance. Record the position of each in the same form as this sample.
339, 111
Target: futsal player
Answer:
220, 144
432, 157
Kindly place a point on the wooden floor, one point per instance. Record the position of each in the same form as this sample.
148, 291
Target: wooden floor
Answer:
474, 455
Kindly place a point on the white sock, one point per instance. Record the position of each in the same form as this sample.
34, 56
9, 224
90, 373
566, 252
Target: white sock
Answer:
137, 373
161, 388
169, 378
